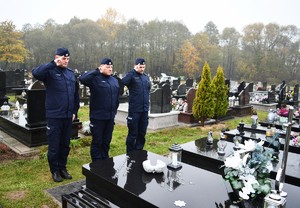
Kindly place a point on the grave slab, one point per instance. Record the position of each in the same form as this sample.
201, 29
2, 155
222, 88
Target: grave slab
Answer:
197, 153
123, 181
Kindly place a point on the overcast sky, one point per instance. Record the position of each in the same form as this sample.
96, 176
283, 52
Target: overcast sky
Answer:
194, 14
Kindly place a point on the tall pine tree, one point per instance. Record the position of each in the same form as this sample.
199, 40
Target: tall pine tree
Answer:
204, 102
221, 94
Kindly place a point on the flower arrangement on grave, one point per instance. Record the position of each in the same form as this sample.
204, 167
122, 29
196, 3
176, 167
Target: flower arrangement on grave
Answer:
297, 113
283, 111
179, 105
295, 139
248, 170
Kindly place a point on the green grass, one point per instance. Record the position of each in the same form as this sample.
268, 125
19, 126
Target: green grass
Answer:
24, 181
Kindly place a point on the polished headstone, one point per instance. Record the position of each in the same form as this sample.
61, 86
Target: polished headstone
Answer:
175, 83
156, 100
191, 94
36, 113
166, 98
296, 93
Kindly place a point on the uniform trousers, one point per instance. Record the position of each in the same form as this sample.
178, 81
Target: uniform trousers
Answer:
101, 137
137, 123
59, 131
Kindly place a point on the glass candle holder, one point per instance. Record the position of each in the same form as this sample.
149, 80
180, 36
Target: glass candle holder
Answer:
221, 146
175, 156
237, 140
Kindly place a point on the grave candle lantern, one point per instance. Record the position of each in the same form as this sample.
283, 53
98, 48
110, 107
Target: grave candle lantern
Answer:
175, 157
273, 200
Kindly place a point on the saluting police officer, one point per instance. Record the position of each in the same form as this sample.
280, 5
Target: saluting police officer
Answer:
62, 104
138, 84
104, 102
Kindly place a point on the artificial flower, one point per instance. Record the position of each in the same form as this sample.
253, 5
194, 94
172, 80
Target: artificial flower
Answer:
248, 169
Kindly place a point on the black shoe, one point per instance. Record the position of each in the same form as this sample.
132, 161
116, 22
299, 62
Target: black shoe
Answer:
57, 177
64, 174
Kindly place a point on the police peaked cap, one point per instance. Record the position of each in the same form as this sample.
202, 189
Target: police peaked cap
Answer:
140, 61
106, 61
62, 52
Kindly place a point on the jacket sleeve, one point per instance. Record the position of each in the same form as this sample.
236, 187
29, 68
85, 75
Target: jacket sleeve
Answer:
86, 78
41, 72
128, 77
76, 98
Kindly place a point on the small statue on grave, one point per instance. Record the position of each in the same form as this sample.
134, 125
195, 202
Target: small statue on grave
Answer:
237, 140
271, 116
254, 120
210, 138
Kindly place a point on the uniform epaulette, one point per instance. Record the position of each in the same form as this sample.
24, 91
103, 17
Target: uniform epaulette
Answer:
71, 70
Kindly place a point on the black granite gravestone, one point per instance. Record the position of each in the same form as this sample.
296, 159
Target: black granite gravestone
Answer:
3, 97
175, 84
271, 97
156, 100
282, 91
273, 88
296, 93
14, 79
181, 91
83, 97
189, 83
250, 86
30, 127
166, 99
160, 99
240, 87
264, 87
36, 105
244, 96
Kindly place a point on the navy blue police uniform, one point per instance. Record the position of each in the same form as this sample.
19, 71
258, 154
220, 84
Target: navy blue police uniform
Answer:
62, 101
104, 102
137, 120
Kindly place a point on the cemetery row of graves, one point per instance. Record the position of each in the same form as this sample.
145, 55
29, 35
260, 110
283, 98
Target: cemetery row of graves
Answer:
25, 121
26, 118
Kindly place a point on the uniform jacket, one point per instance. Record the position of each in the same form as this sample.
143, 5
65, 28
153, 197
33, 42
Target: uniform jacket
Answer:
62, 98
104, 99
139, 91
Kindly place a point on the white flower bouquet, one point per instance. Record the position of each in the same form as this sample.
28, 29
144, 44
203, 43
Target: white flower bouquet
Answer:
248, 170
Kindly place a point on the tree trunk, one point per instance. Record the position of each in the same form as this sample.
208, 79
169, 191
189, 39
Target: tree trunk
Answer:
202, 121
